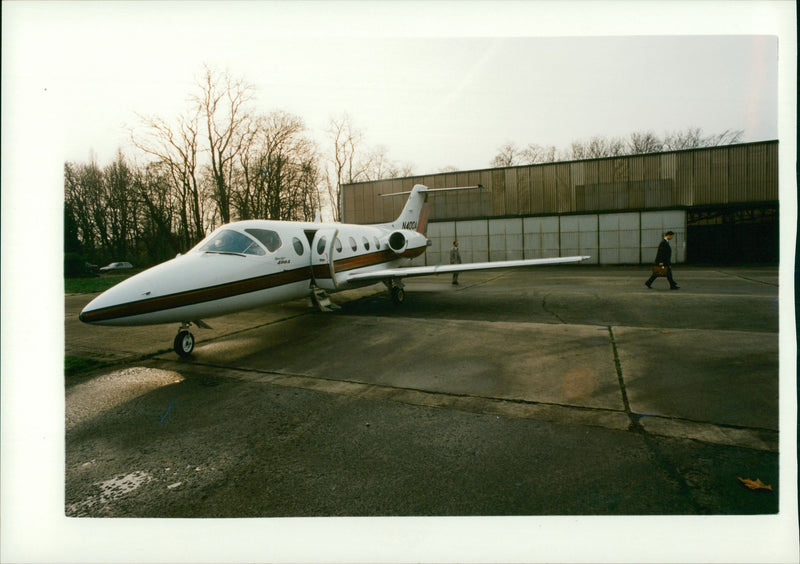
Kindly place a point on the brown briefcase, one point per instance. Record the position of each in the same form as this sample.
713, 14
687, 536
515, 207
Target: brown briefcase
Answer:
659, 271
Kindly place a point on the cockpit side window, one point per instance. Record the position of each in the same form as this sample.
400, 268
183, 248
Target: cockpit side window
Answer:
230, 241
270, 239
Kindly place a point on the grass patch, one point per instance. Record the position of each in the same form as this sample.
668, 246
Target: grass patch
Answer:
77, 365
93, 285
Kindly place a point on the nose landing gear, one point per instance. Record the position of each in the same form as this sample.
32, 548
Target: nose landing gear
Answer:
184, 341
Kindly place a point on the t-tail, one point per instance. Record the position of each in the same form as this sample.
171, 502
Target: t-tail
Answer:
414, 216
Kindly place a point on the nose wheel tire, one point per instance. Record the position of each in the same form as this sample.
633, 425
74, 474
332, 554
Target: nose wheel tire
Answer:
184, 343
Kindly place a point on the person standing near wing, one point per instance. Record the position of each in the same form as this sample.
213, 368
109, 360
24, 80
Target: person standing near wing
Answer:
455, 258
664, 258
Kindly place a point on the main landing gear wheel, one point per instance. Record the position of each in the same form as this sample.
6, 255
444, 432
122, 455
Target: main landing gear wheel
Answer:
184, 343
398, 295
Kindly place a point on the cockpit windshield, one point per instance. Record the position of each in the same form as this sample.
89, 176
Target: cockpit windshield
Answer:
228, 241
270, 239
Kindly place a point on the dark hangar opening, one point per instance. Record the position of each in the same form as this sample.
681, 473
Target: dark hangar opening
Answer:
733, 235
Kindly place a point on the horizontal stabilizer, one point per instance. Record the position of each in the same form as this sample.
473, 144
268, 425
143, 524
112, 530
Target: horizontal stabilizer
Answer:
434, 190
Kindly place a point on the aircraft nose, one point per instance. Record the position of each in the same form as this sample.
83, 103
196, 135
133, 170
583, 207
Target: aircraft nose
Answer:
186, 288
103, 307
116, 303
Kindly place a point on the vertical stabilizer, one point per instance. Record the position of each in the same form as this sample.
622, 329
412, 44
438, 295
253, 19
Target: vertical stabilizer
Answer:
415, 213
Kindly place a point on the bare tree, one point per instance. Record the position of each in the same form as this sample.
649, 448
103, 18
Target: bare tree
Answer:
727, 137
222, 107
408, 169
577, 150
154, 192
378, 165
639, 142
508, 155
278, 169
83, 191
176, 147
120, 206
689, 138
693, 138
642, 142
345, 165
350, 161
596, 148
534, 154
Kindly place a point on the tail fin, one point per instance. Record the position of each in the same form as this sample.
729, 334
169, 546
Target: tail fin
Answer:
416, 208
415, 213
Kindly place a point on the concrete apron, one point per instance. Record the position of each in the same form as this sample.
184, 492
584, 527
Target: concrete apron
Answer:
647, 380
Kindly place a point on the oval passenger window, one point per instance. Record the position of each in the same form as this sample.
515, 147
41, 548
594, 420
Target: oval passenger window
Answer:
298, 246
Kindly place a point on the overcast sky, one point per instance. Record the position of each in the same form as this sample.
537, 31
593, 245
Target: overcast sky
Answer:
438, 84
434, 99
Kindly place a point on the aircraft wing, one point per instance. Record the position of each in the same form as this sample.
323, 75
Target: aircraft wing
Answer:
387, 273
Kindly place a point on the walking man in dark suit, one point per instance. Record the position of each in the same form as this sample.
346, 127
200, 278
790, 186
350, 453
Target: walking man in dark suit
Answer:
663, 258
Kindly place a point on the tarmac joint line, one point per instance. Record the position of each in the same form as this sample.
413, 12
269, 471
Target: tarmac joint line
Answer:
635, 424
636, 427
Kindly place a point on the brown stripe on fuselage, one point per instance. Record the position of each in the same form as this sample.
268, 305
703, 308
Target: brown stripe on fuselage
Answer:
200, 295
360, 261
322, 271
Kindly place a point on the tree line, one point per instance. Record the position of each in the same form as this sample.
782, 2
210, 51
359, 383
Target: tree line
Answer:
637, 143
218, 161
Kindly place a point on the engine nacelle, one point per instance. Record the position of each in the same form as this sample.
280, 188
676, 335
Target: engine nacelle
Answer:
407, 244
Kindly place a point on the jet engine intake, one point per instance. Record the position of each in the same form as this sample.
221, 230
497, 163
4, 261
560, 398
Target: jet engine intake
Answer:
398, 242
407, 243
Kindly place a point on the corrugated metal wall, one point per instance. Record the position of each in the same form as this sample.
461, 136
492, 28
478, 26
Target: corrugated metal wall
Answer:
717, 175
614, 209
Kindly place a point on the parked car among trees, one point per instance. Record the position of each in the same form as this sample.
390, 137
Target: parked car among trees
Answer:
116, 266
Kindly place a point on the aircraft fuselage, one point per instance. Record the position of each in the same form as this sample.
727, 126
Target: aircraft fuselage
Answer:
251, 264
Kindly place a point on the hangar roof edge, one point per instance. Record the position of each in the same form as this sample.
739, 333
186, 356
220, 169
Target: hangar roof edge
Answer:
474, 170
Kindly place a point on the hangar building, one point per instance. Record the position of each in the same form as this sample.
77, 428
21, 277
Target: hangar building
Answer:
721, 202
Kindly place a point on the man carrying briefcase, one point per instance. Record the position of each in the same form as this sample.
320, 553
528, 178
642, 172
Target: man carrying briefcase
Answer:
662, 267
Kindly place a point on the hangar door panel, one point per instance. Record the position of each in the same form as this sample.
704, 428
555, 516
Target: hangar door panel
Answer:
579, 236
473, 240
541, 237
505, 239
619, 238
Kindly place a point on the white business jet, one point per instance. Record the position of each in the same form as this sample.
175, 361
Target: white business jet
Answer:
249, 264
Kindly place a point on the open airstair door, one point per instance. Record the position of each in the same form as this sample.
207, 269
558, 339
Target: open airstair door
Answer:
322, 266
